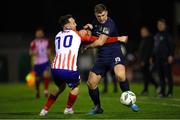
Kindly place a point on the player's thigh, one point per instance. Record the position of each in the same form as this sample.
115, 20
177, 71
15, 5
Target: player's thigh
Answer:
46, 70
46, 73
60, 83
120, 72
93, 80
37, 69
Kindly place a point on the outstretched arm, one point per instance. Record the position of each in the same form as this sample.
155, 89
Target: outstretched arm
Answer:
101, 40
85, 37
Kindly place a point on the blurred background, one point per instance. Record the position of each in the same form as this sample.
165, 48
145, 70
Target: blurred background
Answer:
19, 19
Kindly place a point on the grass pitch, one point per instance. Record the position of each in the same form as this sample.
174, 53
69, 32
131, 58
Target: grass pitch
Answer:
17, 101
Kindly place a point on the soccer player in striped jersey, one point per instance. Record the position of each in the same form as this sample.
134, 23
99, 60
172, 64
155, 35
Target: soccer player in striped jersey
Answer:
40, 52
64, 65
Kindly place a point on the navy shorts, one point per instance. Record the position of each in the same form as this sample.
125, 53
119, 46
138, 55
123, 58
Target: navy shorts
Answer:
71, 78
103, 65
40, 68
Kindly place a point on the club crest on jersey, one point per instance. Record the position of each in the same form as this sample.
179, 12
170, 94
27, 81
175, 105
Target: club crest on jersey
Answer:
117, 60
105, 30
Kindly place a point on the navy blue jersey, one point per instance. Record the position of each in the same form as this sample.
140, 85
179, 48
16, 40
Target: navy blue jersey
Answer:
108, 28
108, 55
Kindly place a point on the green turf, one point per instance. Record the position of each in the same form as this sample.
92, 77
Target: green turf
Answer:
18, 101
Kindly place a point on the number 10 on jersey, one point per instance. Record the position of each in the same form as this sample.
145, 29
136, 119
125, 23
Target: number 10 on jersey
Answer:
67, 41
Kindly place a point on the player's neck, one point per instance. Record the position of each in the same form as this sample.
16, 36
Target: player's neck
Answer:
68, 29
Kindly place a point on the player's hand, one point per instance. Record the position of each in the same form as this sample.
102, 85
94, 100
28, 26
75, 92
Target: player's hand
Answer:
88, 26
123, 39
83, 32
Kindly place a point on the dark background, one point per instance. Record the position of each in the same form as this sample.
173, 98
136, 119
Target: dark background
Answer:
25, 16
19, 19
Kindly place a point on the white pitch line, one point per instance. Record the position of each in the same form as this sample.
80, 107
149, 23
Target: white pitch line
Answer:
164, 104
175, 99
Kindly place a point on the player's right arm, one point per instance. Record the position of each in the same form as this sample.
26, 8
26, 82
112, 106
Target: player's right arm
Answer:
32, 50
99, 42
88, 38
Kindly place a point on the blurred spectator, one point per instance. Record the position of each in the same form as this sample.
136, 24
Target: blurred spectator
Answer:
144, 54
40, 53
105, 82
163, 54
130, 62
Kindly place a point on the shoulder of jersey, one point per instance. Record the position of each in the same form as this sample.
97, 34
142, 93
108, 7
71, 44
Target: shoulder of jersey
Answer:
68, 31
111, 20
61, 32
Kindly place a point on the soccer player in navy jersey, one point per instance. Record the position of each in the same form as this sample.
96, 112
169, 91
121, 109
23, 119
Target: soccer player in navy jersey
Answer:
108, 57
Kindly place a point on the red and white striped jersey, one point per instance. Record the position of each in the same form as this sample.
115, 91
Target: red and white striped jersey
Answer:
41, 47
67, 45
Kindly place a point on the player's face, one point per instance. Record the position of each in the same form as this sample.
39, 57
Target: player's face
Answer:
72, 23
101, 17
39, 34
161, 26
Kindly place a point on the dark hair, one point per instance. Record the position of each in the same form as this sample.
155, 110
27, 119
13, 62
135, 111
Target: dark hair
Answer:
64, 19
162, 20
99, 8
144, 27
39, 28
